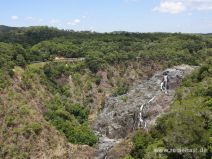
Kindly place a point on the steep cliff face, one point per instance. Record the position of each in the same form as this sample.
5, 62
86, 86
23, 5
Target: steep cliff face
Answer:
139, 108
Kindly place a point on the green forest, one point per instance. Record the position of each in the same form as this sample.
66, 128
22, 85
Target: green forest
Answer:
39, 92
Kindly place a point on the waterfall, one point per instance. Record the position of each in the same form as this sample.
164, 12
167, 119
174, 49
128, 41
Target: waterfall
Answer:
141, 120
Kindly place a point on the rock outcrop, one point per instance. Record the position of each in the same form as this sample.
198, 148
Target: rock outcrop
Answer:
121, 115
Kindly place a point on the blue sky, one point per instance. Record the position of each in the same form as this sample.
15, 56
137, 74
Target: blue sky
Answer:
190, 16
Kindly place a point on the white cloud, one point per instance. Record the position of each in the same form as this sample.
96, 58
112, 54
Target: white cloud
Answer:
84, 16
74, 22
77, 21
170, 7
178, 6
14, 17
199, 4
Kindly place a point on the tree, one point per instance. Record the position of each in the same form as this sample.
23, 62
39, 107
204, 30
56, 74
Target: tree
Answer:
20, 60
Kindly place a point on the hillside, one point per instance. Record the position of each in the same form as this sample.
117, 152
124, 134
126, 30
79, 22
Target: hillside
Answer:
58, 109
4, 28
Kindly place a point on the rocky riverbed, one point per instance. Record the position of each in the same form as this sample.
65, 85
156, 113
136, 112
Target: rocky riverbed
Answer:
122, 115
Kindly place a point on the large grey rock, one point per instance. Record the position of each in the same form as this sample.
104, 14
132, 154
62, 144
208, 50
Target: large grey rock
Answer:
120, 117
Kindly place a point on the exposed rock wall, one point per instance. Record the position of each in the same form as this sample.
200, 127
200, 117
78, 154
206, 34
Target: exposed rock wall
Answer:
120, 115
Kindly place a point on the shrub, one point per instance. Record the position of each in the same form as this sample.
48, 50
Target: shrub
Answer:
32, 129
121, 89
10, 121
179, 95
141, 141
3, 80
124, 98
70, 119
94, 61
203, 72
98, 79
208, 91
79, 111
66, 90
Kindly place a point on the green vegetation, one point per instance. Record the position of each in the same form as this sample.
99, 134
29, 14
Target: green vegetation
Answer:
46, 50
188, 124
32, 129
25, 45
71, 120
121, 88
40, 95
98, 79
124, 98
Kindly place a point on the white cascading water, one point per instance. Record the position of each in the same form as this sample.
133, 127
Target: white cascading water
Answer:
141, 120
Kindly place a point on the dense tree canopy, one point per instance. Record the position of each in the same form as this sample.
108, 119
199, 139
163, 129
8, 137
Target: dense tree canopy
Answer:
44, 43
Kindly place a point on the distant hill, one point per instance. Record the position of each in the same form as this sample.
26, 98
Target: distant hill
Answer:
6, 28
